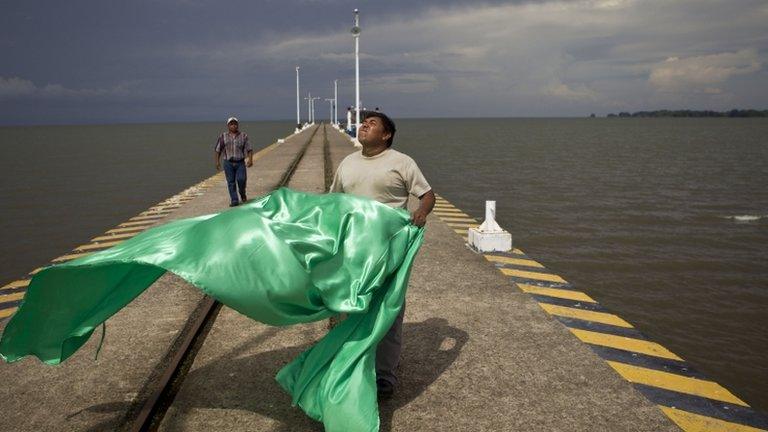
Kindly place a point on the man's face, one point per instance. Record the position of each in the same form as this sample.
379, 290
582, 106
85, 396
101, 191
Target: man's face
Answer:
372, 132
232, 127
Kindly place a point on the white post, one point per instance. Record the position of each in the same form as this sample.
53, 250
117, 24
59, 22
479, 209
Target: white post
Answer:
313, 108
330, 109
298, 111
336, 102
309, 107
490, 237
356, 33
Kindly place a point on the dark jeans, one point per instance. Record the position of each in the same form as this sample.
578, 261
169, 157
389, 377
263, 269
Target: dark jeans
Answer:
388, 351
236, 177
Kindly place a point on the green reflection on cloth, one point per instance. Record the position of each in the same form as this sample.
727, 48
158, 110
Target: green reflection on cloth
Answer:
286, 258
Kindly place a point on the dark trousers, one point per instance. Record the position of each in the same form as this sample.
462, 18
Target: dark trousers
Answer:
388, 351
236, 177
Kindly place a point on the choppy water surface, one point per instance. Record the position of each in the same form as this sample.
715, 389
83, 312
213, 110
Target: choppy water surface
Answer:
664, 221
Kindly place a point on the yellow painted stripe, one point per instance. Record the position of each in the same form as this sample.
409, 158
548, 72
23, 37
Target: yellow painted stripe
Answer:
441, 215
37, 270
690, 422
460, 231
559, 293
154, 214
624, 343
598, 317
115, 237
533, 275
71, 257
136, 229
4, 313
458, 219
11, 297
148, 218
164, 209
16, 284
513, 261
93, 246
461, 224
674, 382
128, 224
517, 252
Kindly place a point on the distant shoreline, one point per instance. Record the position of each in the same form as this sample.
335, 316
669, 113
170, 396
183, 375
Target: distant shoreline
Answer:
734, 113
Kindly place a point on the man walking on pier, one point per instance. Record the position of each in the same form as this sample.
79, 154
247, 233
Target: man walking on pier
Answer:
380, 173
236, 149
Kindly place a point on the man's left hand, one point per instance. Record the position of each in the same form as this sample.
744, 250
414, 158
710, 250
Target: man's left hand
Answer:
249, 163
419, 218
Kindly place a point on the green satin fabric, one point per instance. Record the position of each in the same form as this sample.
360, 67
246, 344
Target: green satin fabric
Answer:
286, 258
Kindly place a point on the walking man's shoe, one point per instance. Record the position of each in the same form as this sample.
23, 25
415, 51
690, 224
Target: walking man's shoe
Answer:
234, 204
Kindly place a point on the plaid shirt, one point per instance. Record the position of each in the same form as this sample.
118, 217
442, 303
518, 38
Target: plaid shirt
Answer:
234, 147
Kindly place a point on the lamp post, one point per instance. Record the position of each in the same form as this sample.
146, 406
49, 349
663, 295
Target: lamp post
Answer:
336, 102
312, 107
298, 99
309, 107
330, 106
356, 34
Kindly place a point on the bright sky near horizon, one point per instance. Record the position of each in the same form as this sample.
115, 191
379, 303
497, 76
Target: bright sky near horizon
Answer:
193, 60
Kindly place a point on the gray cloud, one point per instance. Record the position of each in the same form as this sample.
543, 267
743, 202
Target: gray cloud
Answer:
198, 59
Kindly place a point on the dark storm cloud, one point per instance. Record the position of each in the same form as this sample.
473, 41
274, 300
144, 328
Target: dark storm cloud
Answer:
199, 60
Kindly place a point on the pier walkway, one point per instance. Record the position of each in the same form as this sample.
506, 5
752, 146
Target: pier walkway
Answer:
479, 353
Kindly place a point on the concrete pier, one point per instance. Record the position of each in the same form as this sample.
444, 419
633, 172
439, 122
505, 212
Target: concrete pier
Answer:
479, 353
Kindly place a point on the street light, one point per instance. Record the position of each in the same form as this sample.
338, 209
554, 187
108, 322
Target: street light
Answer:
313, 108
336, 102
330, 105
309, 107
356, 34
298, 111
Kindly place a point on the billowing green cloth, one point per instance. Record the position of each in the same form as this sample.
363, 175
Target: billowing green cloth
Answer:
286, 258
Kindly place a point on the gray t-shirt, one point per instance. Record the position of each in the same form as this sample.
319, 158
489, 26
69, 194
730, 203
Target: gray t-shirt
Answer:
389, 177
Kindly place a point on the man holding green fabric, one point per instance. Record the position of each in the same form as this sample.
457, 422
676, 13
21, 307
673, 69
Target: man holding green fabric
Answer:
380, 173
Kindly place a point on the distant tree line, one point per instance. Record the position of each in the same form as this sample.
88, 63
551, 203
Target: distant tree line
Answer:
694, 113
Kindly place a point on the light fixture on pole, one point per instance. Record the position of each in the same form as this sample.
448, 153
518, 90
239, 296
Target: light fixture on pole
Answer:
312, 105
330, 106
309, 107
298, 99
356, 34
336, 102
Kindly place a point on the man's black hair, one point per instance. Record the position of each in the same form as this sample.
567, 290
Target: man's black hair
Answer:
389, 125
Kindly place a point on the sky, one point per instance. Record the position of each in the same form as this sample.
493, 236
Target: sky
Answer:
84, 62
